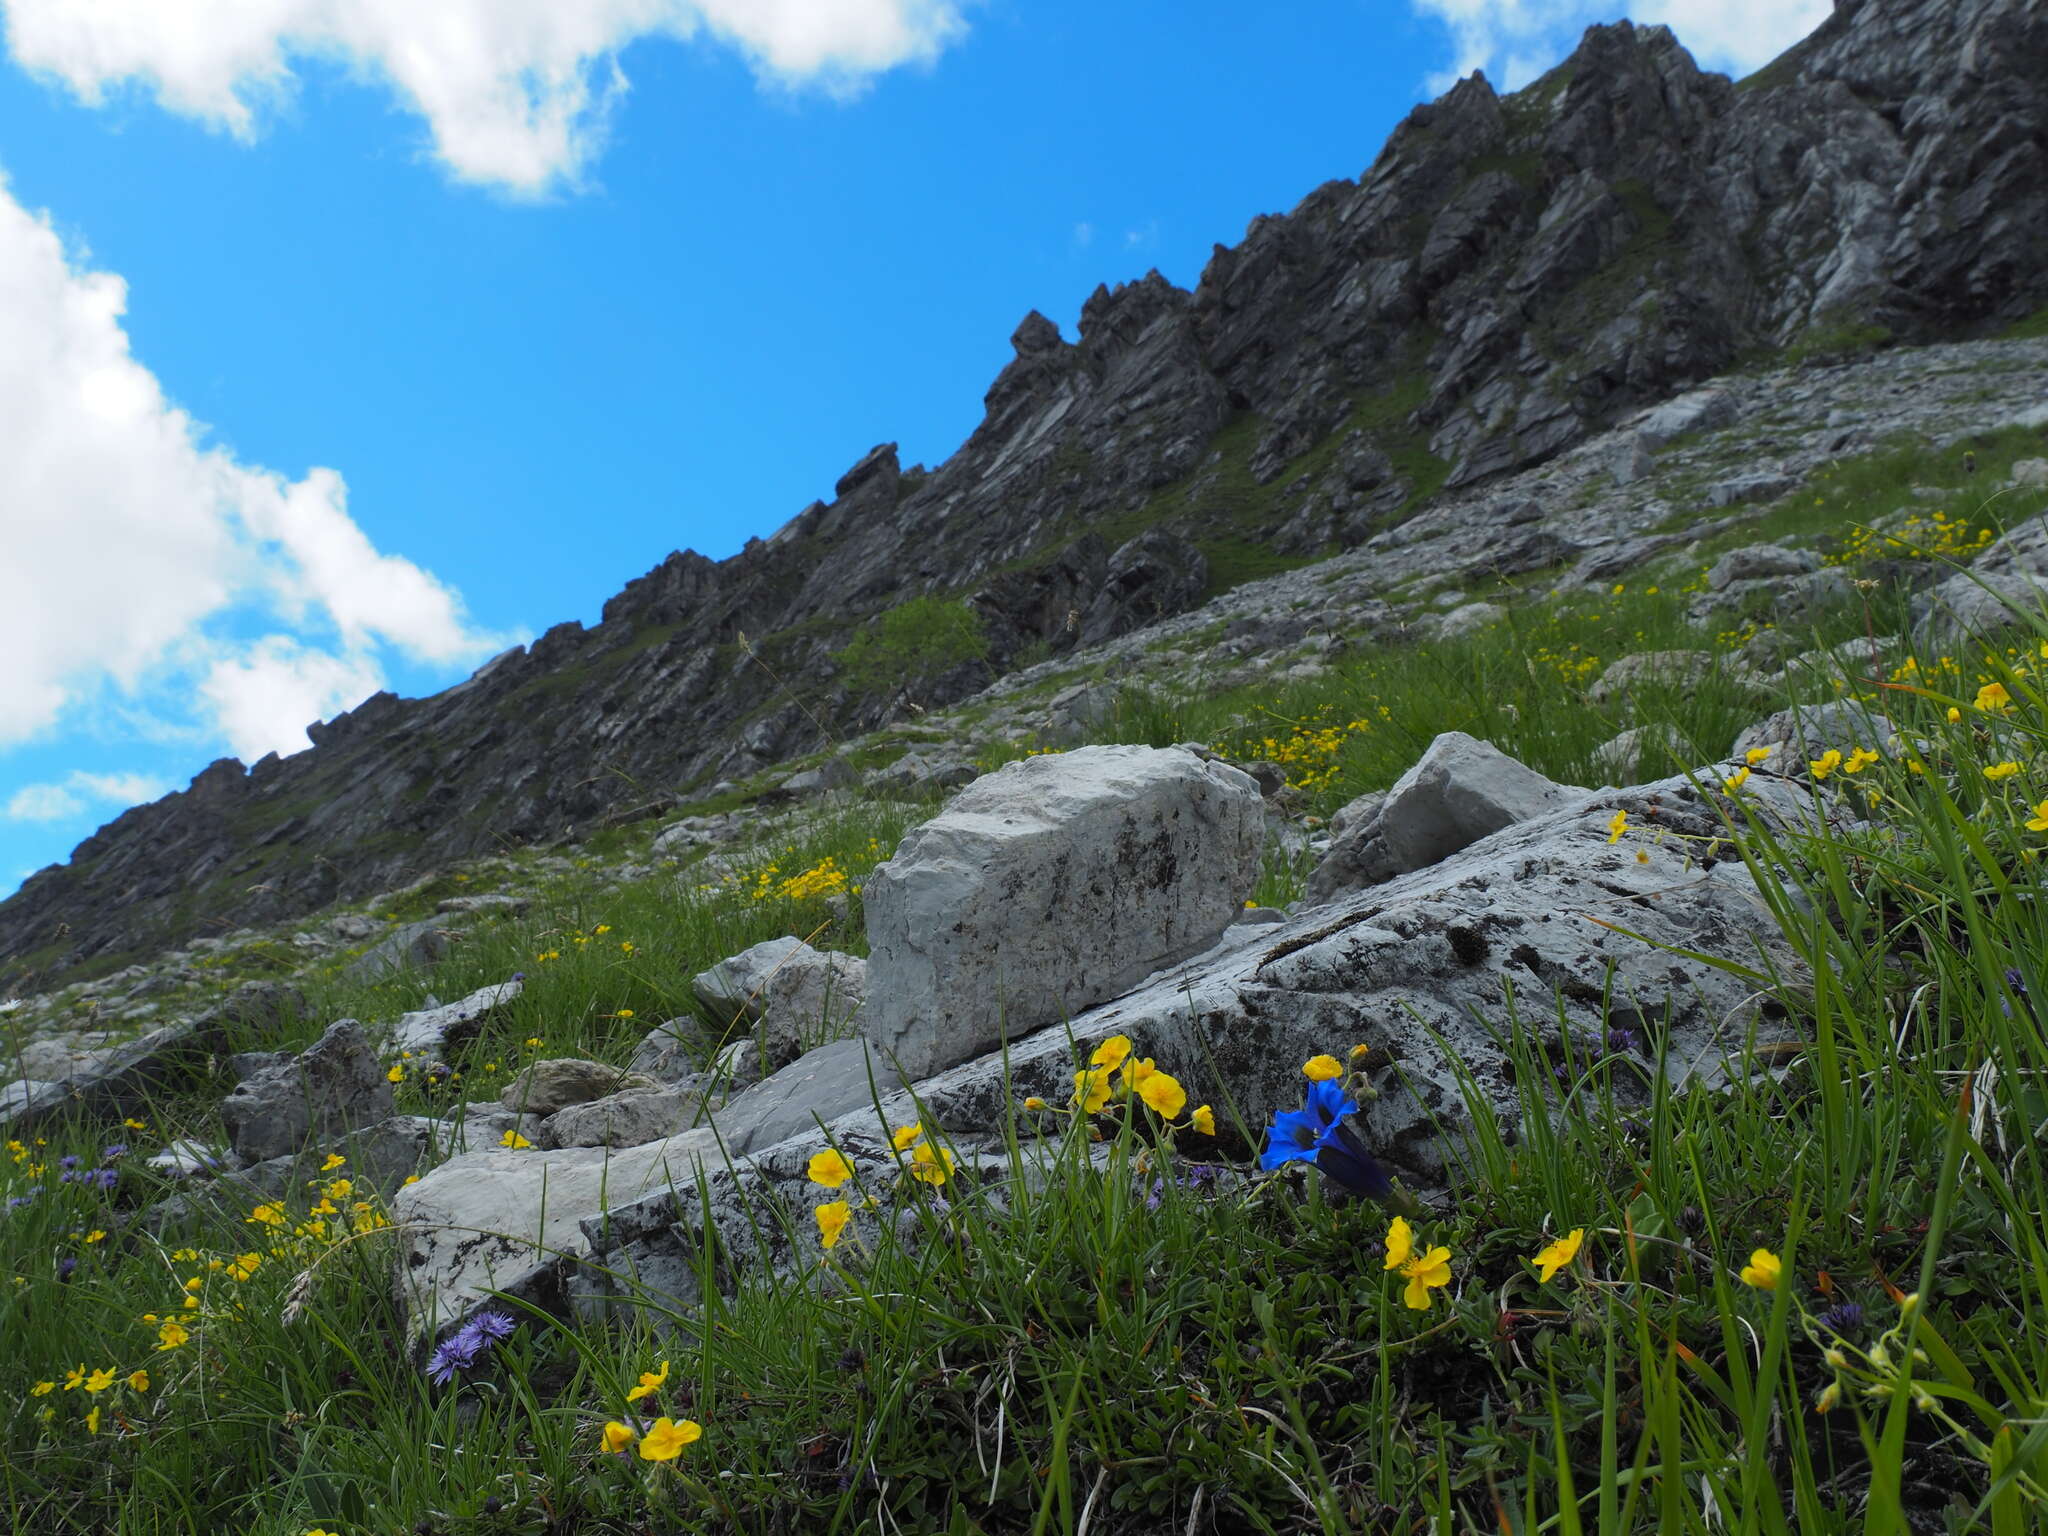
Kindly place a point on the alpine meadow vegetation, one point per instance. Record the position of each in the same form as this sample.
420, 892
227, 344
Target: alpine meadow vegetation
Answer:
1813, 1298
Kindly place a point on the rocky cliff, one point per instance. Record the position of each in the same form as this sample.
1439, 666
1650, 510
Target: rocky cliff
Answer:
1509, 276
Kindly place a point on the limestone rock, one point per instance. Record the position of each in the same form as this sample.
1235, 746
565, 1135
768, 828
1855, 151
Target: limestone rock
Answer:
432, 1029
1622, 758
1667, 669
1459, 791
336, 1084
795, 995
1700, 410
1794, 737
1048, 886
670, 1052
543, 1087
1424, 968
413, 946
630, 1118
1754, 561
2009, 578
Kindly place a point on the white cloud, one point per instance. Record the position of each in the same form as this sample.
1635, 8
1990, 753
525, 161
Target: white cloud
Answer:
1514, 41
263, 695
134, 548
1084, 234
515, 93
80, 790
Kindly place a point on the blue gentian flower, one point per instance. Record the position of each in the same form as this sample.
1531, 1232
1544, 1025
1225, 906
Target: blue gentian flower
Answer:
1325, 1133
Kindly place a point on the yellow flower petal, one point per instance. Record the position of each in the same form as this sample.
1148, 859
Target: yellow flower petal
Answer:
1400, 1243
1205, 1120
829, 1168
1762, 1270
1557, 1254
1320, 1069
832, 1219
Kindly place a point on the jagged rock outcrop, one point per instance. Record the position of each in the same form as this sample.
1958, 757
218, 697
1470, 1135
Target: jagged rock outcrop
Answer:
1509, 276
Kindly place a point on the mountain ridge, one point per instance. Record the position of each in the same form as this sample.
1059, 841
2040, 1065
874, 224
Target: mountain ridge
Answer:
1509, 276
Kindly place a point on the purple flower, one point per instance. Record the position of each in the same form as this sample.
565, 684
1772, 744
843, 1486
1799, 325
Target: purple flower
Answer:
494, 1326
67, 1162
114, 1153
1841, 1320
1622, 1041
65, 1266
450, 1356
16, 1202
106, 1178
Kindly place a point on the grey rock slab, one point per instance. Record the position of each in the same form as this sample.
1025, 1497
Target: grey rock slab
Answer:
121, 1080
628, 1119
1667, 669
411, 947
797, 996
670, 1052
1460, 790
1048, 886
1795, 737
1700, 410
431, 1029
819, 1086
2005, 582
542, 1087
336, 1084
1754, 561
1427, 968
511, 1220
1621, 758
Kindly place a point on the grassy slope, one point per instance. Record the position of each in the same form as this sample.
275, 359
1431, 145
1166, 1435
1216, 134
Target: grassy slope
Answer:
1234, 1358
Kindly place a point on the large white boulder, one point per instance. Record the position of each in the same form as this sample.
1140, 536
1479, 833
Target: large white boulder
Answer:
1460, 790
1047, 887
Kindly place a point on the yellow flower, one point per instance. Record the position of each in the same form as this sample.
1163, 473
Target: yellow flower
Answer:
1555, 1255
1763, 1270
1859, 760
97, 1234
1617, 826
934, 1165
1429, 1272
2038, 822
513, 1140
905, 1135
1400, 1243
1318, 1069
1735, 780
602, 928
1756, 755
650, 1381
829, 1169
100, 1380
1111, 1053
195, 1284
74, 1378
334, 1161
396, 1074
42, 1389
92, 1421
1091, 1089
665, 1439
172, 1336
1163, 1093
1826, 763
138, 1381
1993, 696
1955, 716
618, 1436
832, 1220
1997, 771
1034, 1102
244, 1266
1204, 1120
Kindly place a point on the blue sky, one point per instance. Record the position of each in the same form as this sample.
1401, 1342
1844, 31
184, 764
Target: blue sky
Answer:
337, 353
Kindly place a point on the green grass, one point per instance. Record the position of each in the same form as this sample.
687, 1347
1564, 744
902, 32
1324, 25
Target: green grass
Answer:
2032, 328
1064, 1351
